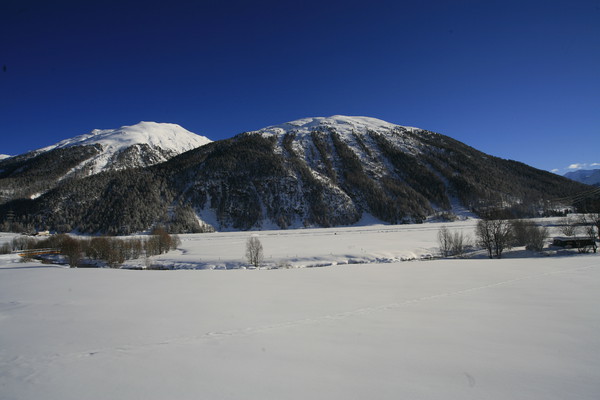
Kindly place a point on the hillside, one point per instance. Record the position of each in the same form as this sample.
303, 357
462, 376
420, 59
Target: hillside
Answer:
144, 144
310, 172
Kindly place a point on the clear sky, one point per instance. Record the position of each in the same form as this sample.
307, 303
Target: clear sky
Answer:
516, 79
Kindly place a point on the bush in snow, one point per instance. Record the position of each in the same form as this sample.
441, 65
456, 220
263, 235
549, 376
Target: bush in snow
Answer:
528, 234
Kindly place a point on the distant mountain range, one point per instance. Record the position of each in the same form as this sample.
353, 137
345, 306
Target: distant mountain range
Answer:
587, 176
319, 171
148, 143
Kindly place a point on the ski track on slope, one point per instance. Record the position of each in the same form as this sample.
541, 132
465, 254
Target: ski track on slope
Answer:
10, 367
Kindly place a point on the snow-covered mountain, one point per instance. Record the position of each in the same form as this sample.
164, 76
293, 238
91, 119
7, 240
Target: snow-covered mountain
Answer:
3, 156
587, 176
319, 171
140, 145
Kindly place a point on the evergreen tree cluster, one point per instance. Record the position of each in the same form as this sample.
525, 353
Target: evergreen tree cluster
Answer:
33, 173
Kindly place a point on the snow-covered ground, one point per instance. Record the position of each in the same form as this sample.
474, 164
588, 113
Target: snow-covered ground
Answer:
308, 247
516, 328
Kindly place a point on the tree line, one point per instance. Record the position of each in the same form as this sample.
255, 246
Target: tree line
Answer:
495, 235
99, 250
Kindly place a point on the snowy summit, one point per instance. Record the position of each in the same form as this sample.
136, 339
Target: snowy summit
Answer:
142, 144
163, 135
343, 124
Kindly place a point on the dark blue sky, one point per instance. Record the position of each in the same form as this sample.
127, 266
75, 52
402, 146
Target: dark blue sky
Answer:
516, 79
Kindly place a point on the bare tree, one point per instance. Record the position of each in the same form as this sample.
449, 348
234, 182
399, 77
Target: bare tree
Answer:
569, 227
254, 251
444, 240
99, 248
459, 243
165, 242
595, 219
520, 231
537, 238
502, 236
72, 249
589, 223
485, 238
152, 246
590, 231
5, 248
116, 255
136, 248
494, 235
452, 243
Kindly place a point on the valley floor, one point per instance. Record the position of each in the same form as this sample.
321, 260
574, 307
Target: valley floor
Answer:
516, 328
309, 247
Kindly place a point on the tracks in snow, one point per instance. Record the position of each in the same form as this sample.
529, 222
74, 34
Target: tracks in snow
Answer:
232, 333
371, 310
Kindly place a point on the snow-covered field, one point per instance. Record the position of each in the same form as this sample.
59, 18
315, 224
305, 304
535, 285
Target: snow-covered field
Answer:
516, 328
308, 247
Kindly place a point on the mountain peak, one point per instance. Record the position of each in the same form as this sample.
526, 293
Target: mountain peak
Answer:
167, 136
343, 124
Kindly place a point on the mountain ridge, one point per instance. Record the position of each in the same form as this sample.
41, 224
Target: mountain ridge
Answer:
321, 171
587, 176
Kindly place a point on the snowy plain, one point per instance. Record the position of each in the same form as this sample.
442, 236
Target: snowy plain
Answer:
516, 328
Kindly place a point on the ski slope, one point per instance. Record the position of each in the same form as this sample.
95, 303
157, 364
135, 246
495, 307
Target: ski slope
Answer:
516, 328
